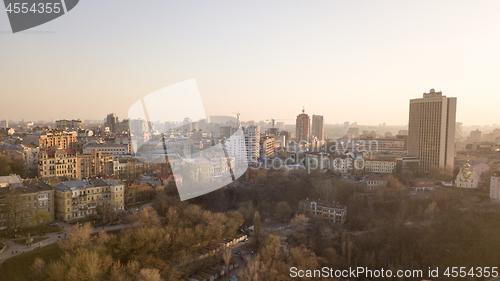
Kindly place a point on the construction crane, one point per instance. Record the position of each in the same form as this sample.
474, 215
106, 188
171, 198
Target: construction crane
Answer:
272, 120
237, 115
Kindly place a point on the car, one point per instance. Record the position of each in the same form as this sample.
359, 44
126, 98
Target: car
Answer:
53, 224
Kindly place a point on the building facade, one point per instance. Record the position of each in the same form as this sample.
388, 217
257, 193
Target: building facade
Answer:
110, 148
78, 199
94, 164
252, 143
57, 163
318, 127
21, 200
431, 131
69, 124
333, 212
57, 139
302, 127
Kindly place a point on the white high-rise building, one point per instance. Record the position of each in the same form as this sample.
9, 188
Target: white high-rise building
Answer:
252, 143
318, 127
244, 148
431, 130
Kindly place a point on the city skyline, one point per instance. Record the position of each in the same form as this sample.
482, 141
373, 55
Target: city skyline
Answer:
358, 61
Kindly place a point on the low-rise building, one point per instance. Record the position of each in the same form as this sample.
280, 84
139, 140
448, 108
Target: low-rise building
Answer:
333, 212
21, 200
108, 148
467, 177
78, 199
375, 182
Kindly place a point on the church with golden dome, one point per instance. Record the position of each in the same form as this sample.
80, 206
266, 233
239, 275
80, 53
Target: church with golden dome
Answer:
467, 177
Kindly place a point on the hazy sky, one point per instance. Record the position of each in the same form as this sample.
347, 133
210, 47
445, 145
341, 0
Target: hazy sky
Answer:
348, 60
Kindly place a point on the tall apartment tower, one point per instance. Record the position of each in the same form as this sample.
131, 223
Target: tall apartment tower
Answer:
112, 122
302, 127
252, 143
431, 130
318, 127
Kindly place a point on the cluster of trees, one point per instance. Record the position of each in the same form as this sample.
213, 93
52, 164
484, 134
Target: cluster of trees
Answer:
9, 166
163, 244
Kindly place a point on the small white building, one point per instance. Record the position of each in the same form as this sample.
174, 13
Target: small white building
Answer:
495, 186
467, 177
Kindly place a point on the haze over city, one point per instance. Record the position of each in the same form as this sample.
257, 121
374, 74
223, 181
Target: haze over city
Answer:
349, 61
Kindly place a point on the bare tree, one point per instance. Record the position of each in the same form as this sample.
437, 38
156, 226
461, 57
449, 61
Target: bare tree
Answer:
227, 253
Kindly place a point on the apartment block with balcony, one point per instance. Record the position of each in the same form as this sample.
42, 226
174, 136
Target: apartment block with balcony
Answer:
94, 164
57, 139
57, 163
78, 199
21, 199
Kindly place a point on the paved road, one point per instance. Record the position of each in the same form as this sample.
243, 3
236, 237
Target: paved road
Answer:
53, 238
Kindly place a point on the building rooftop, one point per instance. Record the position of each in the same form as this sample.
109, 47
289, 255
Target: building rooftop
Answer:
83, 184
325, 203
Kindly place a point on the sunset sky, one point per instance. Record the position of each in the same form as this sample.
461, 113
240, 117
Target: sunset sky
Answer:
347, 60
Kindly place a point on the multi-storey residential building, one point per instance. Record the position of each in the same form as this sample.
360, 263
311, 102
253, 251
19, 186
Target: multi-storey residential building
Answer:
252, 143
495, 186
333, 212
57, 163
266, 146
384, 164
93, 164
395, 145
476, 136
318, 127
21, 200
431, 130
66, 162
31, 156
110, 148
112, 123
78, 199
57, 139
302, 127
69, 124
227, 131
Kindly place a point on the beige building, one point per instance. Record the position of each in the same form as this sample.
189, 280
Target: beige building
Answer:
495, 186
267, 146
302, 127
383, 164
94, 164
431, 130
57, 163
68, 124
112, 148
68, 163
333, 212
78, 199
21, 200
57, 139
318, 127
